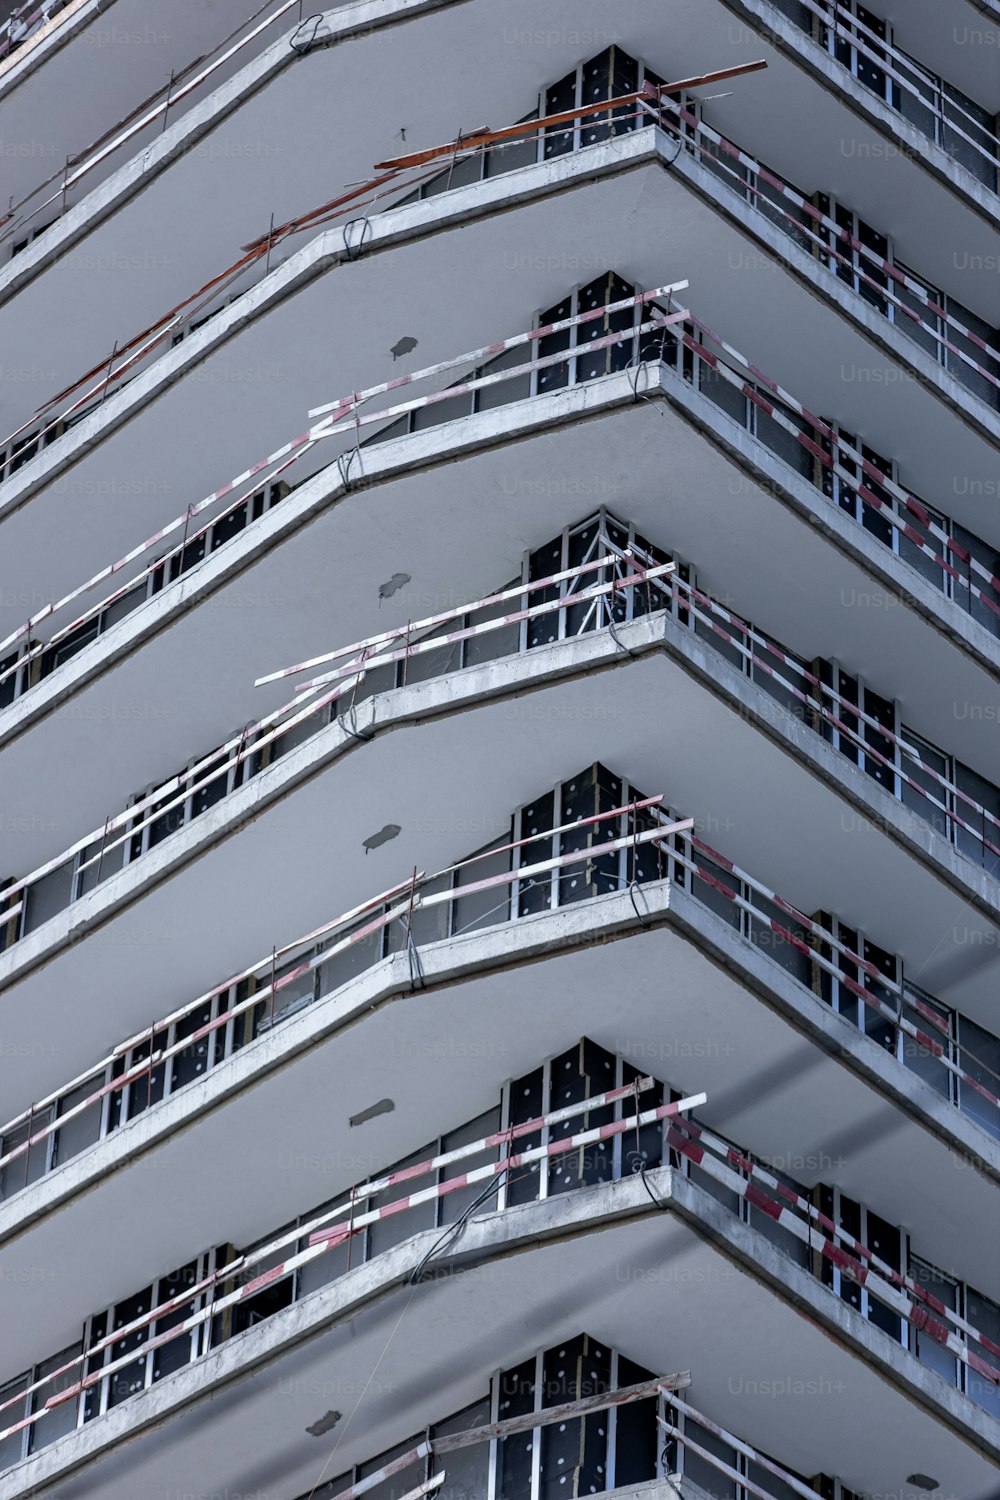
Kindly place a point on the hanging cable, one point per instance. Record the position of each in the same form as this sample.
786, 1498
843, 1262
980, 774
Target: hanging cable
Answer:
350, 727
354, 251
305, 45
455, 1229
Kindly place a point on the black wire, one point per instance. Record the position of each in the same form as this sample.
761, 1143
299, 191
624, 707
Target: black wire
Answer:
301, 48
345, 470
618, 642
416, 967
652, 1196
632, 888
366, 223
453, 1229
355, 734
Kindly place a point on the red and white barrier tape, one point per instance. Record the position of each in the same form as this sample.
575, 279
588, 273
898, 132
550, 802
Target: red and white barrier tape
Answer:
254, 738
900, 1293
851, 455
742, 1481
290, 452
332, 1236
637, 577
387, 909
837, 235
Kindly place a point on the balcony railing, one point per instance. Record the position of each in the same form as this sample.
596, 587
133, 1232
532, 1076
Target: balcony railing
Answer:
215, 519
49, 200
958, 340
696, 1451
961, 342
960, 564
212, 1304
957, 562
958, 803
963, 128
508, 880
492, 154
553, 1152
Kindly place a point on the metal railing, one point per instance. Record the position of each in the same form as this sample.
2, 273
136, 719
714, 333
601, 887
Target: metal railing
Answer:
498, 150
173, 547
904, 522
934, 321
965, 130
480, 891
782, 1210
27, 20
243, 1276
916, 309
683, 1462
889, 755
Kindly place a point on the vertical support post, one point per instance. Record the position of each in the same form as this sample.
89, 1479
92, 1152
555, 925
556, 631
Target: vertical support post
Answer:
27, 1144
406, 652
180, 554
100, 857
350, 1231
111, 365
166, 102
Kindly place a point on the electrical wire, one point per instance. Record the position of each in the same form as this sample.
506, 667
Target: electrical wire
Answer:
455, 1229
354, 251
304, 47
349, 727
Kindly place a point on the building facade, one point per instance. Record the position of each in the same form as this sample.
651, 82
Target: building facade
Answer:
500, 804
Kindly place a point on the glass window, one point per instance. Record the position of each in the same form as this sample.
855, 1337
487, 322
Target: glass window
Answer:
468, 1469
929, 1351
915, 295
921, 792
970, 839
776, 944
385, 1233
916, 556
12, 1448
978, 365
968, 134
989, 559
919, 1059
984, 1315
486, 907
700, 1471
454, 1205
979, 1056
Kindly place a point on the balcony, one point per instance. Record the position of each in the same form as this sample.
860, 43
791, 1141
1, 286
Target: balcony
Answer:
496, 910
857, 38
71, 54
960, 565
948, 568
603, 576
105, 1386
110, 909
959, 340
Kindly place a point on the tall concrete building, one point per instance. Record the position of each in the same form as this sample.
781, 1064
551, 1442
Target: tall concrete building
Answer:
499, 793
